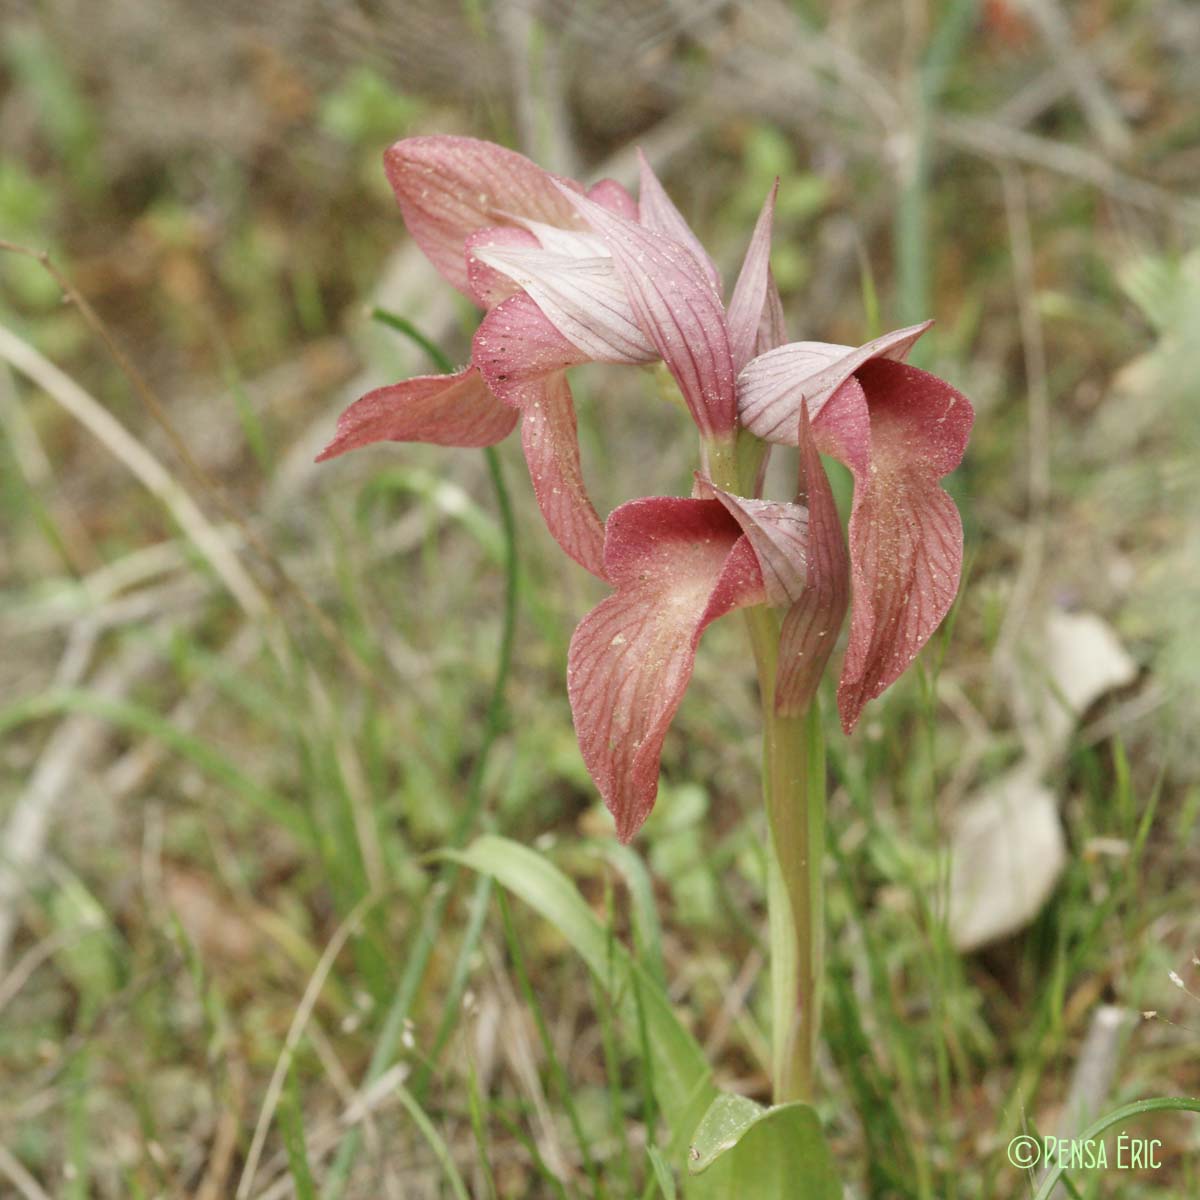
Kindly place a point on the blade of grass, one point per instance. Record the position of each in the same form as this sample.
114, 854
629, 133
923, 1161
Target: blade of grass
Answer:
291, 1123
1125, 1113
535, 1155
663, 1179
647, 930
439, 895
126, 715
475, 1111
436, 1142
912, 208
612, 1072
452, 1001
539, 1019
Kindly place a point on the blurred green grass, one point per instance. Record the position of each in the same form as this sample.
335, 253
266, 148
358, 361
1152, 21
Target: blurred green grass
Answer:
238, 794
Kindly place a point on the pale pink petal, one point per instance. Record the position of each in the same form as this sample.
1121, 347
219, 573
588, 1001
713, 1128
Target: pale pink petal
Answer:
677, 565
584, 298
571, 243
778, 532
485, 285
748, 305
772, 329
811, 624
677, 308
771, 386
446, 410
615, 197
905, 532
524, 358
657, 212
451, 187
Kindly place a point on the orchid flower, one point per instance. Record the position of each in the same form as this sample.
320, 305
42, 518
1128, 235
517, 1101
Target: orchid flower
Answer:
508, 235
677, 565
567, 277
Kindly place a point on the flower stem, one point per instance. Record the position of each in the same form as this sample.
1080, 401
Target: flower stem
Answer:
794, 792
793, 781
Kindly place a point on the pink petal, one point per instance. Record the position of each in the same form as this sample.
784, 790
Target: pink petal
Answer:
905, 532
657, 212
573, 243
451, 187
524, 358
771, 386
583, 298
615, 197
447, 410
677, 565
678, 310
778, 533
485, 285
748, 306
772, 329
811, 624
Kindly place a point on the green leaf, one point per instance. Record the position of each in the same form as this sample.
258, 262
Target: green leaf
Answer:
662, 1174
291, 1121
764, 1153
682, 1080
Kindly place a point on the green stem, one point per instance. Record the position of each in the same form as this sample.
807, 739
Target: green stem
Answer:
793, 774
793, 780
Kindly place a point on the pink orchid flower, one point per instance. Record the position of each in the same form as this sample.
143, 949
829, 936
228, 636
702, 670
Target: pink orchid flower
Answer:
568, 278
511, 237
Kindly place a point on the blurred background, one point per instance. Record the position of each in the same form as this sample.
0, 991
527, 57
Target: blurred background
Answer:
241, 696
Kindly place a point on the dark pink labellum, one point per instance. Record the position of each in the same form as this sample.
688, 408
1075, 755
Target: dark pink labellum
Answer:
524, 359
905, 532
446, 410
677, 565
811, 624
451, 187
678, 310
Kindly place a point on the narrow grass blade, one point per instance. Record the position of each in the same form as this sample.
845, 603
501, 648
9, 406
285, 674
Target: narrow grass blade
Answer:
683, 1082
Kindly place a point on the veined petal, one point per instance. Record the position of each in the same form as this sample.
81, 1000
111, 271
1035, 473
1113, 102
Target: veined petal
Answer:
771, 386
615, 197
677, 565
524, 358
570, 243
450, 187
778, 533
487, 286
584, 298
811, 624
677, 308
657, 212
772, 328
749, 302
446, 410
905, 532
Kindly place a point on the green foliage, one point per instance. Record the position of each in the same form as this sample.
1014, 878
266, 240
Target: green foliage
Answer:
365, 111
64, 113
767, 1153
682, 1085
